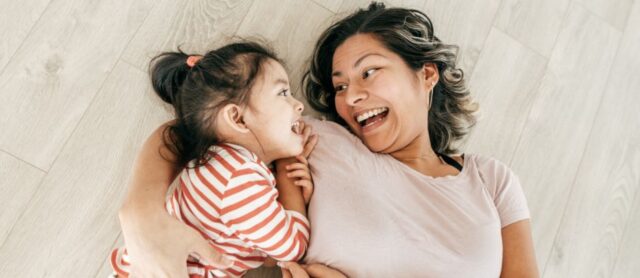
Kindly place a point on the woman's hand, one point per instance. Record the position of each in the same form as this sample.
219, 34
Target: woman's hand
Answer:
158, 245
295, 270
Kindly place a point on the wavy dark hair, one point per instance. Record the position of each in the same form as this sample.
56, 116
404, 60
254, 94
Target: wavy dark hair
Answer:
408, 33
223, 76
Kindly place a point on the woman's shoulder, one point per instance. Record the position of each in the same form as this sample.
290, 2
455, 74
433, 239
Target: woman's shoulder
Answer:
322, 125
491, 171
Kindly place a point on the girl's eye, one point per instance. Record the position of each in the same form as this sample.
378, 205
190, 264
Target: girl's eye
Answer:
284, 93
340, 88
368, 73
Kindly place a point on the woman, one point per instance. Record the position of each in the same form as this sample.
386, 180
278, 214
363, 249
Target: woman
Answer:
389, 199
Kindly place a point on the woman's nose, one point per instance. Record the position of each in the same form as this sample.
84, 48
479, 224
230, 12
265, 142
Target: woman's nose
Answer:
355, 94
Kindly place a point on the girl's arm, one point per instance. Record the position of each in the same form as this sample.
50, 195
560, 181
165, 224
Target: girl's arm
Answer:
158, 244
293, 179
518, 259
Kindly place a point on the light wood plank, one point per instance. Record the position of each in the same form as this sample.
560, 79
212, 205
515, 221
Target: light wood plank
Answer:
534, 23
504, 83
105, 269
627, 263
452, 24
347, 7
614, 12
71, 223
19, 182
197, 26
57, 72
561, 117
293, 39
331, 5
17, 18
608, 180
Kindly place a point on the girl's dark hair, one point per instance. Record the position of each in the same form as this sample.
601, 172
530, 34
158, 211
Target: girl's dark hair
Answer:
408, 33
223, 76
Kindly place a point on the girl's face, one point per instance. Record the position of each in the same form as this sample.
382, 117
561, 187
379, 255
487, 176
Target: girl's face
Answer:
381, 98
273, 114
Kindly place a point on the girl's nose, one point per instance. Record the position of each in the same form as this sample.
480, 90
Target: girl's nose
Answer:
298, 106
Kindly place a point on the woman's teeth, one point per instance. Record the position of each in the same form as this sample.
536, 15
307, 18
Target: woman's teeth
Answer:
371, 113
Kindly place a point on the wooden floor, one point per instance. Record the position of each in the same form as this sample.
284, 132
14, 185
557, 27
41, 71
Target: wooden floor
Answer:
557, 81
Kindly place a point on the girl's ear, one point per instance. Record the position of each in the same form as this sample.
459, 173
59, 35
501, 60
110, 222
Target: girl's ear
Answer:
232, 117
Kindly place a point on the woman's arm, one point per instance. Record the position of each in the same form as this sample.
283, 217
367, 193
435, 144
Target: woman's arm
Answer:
158, 244
518, 258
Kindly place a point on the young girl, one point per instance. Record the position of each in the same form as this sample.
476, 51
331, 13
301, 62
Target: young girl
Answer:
234, 116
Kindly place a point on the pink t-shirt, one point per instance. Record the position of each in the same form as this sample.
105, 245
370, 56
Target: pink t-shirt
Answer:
373, 216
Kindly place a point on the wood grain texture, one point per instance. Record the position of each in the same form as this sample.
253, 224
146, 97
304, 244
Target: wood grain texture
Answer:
613, 12
19, 181
71, 223
504, 83
196, 26
558, 126
17, 18
626, 264
534, 23
331, 5
451, 24
53, 77
608, 180
106, 270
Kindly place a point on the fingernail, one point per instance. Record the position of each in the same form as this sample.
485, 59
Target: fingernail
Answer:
280, 264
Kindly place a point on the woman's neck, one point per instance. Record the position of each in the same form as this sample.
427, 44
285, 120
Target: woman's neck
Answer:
419, 155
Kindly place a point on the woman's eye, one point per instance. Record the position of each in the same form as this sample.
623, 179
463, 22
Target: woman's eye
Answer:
368, 73
339, 88
284, 93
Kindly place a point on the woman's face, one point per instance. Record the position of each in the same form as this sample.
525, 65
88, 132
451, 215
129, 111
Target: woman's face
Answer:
381, 98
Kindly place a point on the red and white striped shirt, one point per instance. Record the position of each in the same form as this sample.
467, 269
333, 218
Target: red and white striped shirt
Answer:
231, 201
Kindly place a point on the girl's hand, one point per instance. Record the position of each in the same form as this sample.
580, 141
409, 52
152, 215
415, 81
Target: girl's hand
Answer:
299, 171
295, 270
158, 245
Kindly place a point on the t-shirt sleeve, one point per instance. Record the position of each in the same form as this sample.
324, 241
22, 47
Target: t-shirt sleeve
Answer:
505, 188
250, 209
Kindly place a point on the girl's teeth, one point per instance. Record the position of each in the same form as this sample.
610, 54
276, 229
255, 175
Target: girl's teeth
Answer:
296, 127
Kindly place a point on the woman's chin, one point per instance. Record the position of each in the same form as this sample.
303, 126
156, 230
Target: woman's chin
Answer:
375, 146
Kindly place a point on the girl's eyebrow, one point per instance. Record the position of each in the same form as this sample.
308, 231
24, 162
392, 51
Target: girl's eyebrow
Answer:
281, 81
355, 65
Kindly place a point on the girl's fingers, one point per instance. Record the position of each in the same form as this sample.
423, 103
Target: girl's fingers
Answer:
310, 145
302, 174
306, 131
305, 184
296, 166
302, 159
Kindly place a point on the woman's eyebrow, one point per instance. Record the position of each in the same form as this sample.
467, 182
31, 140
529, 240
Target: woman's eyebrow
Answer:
355, 65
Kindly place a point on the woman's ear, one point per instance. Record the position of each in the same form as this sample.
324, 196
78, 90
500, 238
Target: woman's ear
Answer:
232, 117
430, 75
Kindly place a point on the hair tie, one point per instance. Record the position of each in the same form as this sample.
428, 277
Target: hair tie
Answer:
192, 60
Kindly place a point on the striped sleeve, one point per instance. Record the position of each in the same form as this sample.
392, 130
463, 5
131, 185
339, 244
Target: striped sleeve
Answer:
250, 209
